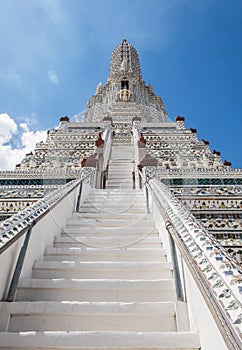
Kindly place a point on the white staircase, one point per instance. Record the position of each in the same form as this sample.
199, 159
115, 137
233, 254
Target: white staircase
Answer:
105, 283
121, 164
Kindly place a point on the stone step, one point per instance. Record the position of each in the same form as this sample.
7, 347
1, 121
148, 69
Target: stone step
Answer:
102, 269
101, 254
97, 316
121, 141
107, 203
121, 161
101, 290
126, 146
125, 157
119, 170
97, 230
97, 209
86, 225
92, 228
120, 175
118, 178
117, 195
125, 154
116, 221
110, 201
120, 199
99, 340
120, 186
149, 242
105, 242
115, 192
117, 202
123, 209
119, 214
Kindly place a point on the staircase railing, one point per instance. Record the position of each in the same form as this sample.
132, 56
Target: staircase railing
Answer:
107, 148
106, 155
136, 136
217, 275
12, 229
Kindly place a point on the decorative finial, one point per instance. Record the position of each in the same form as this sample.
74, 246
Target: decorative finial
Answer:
216, 152
64, 119
179, 118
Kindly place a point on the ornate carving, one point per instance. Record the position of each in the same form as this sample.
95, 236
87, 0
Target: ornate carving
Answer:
149, 171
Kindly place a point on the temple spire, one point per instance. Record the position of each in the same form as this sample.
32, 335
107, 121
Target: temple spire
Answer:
125, 60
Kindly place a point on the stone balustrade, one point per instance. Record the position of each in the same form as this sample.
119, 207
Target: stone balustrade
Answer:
221, 275
18, 223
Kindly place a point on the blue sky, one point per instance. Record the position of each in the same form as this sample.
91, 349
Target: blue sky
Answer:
55, 52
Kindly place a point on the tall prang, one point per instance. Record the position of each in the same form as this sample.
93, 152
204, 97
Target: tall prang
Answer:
208, 186
125, 94
122, 231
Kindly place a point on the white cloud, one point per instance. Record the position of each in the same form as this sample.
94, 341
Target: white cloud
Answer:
8, 127
9, 154
10, 157
29, 120
30, 138
53, 77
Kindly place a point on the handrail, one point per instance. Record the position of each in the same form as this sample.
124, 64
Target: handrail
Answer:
136, 136
107, 149
15, 226
216, 273
176, 271
19, 265
31, 217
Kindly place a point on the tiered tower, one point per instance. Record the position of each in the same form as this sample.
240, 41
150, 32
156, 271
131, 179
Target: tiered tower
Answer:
210, 188
125, 94
133, 239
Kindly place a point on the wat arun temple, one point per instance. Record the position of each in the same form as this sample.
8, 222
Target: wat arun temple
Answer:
206, 185
122, 230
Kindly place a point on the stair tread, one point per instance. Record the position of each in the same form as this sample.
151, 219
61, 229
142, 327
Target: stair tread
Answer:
97, 283
113, 265
75, 307
66, 239
114, 340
